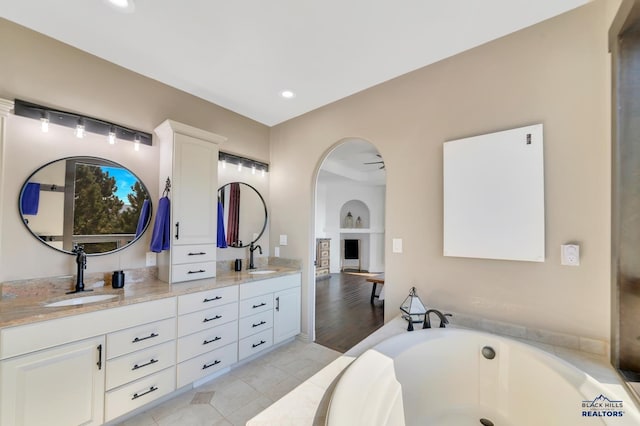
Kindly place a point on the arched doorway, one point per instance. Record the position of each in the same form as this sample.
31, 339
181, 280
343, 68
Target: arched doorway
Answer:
349, 220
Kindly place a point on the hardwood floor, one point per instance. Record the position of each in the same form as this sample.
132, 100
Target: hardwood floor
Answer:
344, 314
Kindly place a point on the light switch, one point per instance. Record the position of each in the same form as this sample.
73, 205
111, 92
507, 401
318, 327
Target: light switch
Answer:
283, 240
276, 251
570, 254
397, 245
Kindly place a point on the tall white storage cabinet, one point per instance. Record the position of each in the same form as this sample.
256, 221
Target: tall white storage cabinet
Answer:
189, 158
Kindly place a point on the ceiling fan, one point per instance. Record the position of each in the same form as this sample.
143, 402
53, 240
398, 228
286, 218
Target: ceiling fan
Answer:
378, 162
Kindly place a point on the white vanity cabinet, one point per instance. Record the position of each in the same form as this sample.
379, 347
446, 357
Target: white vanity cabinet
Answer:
269, 313
56, 372
62, 385
286, 314
207, 333
140, 366
189, 158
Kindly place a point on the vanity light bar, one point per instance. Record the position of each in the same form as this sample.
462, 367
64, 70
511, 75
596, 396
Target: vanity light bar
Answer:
241, 162
69, 119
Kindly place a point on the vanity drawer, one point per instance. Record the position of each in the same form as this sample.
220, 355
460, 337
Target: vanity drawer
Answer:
193, 271
136, 365
207, 340
269, 285
255, 323
140, 337
129, 397
206, 299
253, 344
201, 320
256, 304
193, 253
205, 364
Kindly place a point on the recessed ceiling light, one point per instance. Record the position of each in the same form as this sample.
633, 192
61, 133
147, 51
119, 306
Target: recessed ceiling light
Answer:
287, 94
122, 5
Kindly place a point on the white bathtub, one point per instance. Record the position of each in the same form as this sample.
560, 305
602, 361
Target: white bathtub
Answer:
440, 377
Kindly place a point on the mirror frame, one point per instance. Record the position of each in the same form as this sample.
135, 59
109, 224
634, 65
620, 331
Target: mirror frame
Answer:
266, 214
94, 160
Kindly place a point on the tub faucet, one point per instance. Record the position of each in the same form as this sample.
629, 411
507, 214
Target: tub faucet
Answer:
443, 318
81, 261
253, 248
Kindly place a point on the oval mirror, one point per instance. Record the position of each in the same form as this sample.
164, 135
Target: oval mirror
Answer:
244, 214
86, 201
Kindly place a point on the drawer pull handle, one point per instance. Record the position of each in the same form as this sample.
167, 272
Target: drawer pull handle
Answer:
259, 324
211, 319
278, 303
260, 305
177, 230
206, 342
200, 253
138, 395
255, 345
216, 362
212, 299
140, 339
199, 271
135, 367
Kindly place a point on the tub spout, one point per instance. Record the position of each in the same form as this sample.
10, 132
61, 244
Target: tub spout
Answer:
443, 318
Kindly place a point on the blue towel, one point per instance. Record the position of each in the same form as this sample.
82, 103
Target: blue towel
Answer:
222, 238
144, 217
30, 198
161, 237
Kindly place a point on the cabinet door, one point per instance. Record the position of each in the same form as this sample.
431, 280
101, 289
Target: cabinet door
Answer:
286, 314
62, 385
194, 189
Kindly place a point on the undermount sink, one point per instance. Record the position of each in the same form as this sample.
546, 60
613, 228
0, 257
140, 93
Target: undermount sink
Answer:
262, 271
81, 300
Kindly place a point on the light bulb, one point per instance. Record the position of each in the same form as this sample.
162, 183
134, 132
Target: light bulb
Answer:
239, 167
263, 172
224, 164
79, 131
253, 169
136, 143
112, 138
45, 124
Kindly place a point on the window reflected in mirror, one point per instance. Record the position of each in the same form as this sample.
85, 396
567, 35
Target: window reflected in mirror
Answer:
87, 201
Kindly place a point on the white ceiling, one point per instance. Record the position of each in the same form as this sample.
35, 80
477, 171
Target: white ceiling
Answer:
349, 161
240, 54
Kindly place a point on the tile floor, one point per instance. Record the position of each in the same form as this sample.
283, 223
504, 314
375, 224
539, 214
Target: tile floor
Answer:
236, 397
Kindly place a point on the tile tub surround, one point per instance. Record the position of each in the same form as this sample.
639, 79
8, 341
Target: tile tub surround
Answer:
29, 306
308, 403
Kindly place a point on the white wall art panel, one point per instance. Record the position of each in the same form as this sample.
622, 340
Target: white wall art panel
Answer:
494, 195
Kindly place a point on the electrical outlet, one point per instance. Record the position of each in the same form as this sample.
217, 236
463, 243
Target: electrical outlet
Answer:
570, 255
397, 245
283, 240
276, 251
151, 259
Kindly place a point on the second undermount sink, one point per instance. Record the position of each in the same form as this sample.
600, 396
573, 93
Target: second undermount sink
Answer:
262, 271
81, 300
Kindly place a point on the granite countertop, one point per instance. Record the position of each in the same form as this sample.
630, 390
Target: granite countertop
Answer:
30, 308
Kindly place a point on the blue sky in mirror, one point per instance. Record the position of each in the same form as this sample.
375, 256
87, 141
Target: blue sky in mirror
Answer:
124, 181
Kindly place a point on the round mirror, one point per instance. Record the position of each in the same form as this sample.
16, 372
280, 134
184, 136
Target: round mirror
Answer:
244, 214
86, 201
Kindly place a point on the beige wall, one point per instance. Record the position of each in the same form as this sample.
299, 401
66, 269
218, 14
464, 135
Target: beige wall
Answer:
555, 73
39, 69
